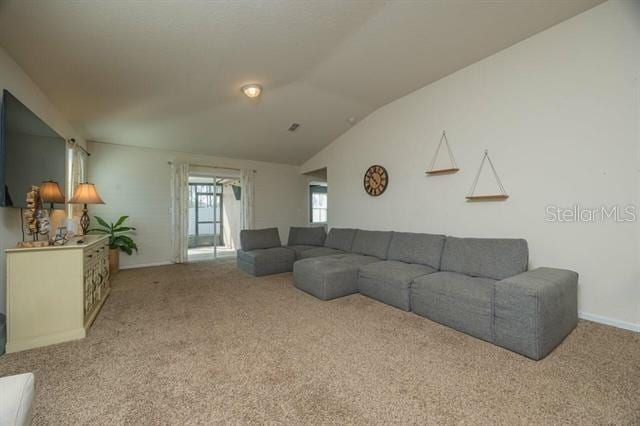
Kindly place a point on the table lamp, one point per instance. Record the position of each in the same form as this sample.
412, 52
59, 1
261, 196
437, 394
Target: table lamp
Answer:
85, 194
50, 193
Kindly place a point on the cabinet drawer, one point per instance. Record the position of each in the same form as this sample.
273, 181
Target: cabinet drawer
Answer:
94, 253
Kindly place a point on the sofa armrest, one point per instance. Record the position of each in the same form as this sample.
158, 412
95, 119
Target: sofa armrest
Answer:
535, 310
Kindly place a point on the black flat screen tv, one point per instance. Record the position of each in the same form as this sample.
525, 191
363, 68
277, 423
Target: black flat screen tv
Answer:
30, 152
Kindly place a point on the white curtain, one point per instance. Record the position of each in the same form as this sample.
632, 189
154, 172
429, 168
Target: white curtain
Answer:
247, 182
180, 211
77, 174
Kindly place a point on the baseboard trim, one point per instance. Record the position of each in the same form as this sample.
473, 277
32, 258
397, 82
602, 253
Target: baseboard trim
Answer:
46, 340
146, 265
610, 321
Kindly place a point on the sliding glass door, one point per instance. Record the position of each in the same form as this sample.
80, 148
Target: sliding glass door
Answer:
212, 217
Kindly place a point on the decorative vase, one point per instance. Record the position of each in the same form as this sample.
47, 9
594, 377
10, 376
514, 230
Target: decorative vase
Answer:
114, 260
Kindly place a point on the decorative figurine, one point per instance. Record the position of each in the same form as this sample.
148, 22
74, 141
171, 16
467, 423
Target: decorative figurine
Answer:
33, 205
62, 236
36, 217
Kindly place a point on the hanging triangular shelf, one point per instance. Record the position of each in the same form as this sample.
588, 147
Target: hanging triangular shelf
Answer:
497, 197
447, 170
487, 197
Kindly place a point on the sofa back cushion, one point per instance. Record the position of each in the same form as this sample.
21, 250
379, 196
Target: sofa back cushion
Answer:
310, 236
340, 238
372, 243
253, 239
423, 249
496, 258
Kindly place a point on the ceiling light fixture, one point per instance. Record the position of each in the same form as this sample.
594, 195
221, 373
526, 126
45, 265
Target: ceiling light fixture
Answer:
252, 90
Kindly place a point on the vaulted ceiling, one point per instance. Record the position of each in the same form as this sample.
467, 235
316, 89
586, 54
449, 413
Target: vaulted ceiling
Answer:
167, 74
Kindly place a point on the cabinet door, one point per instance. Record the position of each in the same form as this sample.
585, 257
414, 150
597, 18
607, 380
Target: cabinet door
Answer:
96, 266
90, 280
88, 294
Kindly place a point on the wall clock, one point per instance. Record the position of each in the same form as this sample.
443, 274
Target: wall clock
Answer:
376, 180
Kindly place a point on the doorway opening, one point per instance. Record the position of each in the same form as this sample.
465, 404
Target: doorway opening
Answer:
214, 217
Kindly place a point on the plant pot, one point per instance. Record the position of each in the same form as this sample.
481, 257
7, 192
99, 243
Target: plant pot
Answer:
114, 260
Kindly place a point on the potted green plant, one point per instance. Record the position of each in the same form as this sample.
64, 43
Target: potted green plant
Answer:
118, 239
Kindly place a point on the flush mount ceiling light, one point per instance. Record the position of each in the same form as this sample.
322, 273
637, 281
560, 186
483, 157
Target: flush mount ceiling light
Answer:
252, 90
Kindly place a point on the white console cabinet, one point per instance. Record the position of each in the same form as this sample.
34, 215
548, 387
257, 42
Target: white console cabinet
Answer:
55, 293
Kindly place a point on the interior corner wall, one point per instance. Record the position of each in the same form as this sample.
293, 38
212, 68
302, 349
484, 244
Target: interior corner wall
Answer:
14, 79
558, 113
137, 182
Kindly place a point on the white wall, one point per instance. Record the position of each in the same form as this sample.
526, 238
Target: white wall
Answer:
559, 114
137, 182
13, 79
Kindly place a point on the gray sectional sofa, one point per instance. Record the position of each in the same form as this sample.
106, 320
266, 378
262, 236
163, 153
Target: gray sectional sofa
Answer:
480, 286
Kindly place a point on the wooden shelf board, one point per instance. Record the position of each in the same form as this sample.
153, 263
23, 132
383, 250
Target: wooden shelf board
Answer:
441, 171
498, 197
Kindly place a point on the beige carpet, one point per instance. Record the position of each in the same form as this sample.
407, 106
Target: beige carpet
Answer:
205, 343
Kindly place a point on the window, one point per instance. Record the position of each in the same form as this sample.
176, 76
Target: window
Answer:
318, 203
203, 220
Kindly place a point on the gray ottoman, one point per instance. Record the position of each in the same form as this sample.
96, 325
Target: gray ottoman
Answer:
329, 277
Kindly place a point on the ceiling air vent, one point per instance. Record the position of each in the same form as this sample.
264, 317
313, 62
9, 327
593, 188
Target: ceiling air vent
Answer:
294, 127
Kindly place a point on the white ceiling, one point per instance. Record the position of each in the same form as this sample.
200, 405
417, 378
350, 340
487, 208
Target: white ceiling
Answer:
167, 74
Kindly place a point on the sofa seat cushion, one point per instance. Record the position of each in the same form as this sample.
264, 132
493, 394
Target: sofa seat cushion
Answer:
275, 254
299, 248
266, 261
319, 251
355, 259
462, 302
306, 236
390, 281
329, 277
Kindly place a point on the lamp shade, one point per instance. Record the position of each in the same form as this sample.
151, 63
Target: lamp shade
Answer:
86, 193
50, 192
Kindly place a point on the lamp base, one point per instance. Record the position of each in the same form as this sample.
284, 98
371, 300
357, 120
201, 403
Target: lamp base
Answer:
84, 220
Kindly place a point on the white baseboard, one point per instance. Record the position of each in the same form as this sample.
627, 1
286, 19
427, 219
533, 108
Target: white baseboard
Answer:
46, 340
146, 265
610, 321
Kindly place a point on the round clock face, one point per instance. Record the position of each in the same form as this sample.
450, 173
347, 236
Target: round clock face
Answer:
376, 180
